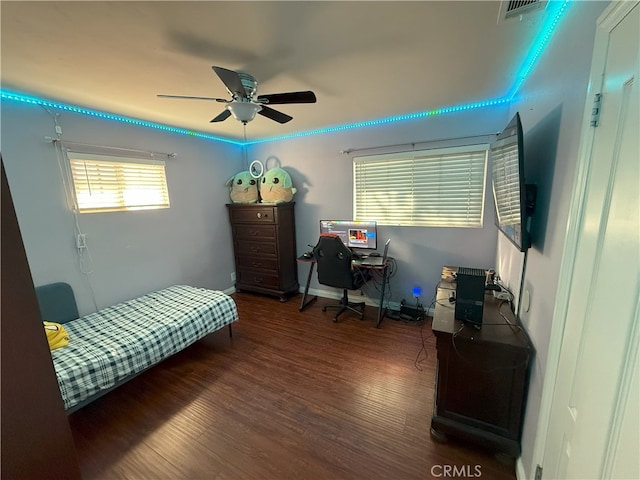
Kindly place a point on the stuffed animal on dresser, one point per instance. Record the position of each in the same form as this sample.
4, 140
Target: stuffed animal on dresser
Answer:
276, 186
243, 188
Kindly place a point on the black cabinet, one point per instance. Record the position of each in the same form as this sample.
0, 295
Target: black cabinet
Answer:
264, 243
482, 374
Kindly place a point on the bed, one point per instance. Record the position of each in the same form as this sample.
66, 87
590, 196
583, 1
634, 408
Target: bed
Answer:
112, 345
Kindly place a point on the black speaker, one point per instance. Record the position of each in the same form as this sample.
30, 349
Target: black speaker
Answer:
470, 295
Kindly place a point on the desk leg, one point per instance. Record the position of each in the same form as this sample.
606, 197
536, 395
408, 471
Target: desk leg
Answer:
304, 303
381, 306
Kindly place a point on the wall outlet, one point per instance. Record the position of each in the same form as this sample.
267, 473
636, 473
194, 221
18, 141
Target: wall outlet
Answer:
538, 475
81, 241
233, 276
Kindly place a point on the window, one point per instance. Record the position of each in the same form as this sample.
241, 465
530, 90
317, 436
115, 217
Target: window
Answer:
106, 184
435, 188
506, 183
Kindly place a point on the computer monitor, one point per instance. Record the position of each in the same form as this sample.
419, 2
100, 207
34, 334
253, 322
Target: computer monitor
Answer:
354, 234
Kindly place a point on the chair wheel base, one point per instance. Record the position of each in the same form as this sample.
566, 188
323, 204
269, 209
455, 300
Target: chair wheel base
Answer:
345, 306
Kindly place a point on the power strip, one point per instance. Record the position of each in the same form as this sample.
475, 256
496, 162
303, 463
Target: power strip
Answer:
412, 313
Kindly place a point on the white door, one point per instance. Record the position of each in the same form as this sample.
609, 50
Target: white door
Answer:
593, 421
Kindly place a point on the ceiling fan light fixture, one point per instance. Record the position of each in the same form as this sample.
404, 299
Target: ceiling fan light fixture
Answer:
243, 111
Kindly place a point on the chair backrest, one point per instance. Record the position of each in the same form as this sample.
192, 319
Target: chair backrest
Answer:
333, 259
57, 302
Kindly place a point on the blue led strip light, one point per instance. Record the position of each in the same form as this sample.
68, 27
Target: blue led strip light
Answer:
534, 54
4, 95
540, 44
381, 121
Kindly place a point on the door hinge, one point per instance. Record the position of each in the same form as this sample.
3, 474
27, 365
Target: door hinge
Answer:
538, 475
595, 110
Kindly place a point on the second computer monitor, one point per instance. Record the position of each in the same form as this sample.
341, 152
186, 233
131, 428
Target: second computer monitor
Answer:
354, 234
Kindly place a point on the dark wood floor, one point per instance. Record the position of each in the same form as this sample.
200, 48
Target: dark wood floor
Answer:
292, 396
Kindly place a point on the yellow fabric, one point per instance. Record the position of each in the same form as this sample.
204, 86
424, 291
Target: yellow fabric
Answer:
57, 336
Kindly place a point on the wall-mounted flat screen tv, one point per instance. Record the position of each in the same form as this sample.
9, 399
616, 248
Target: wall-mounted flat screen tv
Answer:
509, 190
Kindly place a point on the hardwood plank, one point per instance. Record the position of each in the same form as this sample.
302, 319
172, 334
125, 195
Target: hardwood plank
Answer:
291, 395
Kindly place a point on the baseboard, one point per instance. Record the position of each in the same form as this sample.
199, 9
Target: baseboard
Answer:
353, 297
336, 295
520, 473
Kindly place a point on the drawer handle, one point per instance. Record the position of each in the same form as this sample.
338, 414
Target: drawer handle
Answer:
257, 264
253, 233
260, 215
257, 280
255, 249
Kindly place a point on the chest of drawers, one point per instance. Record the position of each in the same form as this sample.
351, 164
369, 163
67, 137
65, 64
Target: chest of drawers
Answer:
482, 374
264, 244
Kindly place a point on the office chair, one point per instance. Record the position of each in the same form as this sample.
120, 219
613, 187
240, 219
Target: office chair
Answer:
333, 260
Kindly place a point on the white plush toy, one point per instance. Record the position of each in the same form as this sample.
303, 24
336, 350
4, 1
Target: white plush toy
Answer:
243, 188
276, 186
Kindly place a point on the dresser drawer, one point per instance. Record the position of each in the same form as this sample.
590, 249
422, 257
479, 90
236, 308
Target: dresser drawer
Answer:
254, 248
254, 232
247, 277
262, 263
264, 245
252, 215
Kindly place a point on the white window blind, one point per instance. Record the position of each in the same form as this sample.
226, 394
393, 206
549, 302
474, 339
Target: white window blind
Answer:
443, 187
105, 184
506, 183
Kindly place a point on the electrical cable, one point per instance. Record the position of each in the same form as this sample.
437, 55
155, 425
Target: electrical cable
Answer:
418, 361
521, 286
67, 182
374, 281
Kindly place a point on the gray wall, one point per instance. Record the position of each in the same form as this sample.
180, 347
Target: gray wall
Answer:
133, 252
551, 105
324, 179
136, 252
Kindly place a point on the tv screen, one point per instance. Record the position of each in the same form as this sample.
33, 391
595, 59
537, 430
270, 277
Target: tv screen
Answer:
353, 234
509, 193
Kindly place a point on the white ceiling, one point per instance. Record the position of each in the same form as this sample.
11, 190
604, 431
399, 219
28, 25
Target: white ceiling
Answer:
364, 60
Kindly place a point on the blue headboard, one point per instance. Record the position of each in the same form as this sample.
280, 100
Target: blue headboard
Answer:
57, 302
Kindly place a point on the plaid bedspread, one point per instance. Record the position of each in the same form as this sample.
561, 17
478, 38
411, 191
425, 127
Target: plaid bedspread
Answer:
113, 343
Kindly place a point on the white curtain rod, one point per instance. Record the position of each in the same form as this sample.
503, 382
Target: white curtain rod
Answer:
106, 149
487, 136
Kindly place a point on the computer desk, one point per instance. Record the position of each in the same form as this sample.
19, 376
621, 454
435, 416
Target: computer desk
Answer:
384, 269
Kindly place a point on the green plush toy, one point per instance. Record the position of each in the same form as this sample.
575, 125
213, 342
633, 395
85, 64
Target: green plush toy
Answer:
276, 186
243, 188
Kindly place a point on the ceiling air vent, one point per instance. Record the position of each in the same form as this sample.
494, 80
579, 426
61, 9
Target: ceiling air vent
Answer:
515, 8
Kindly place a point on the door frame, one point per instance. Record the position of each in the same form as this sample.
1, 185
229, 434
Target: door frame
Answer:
612, 16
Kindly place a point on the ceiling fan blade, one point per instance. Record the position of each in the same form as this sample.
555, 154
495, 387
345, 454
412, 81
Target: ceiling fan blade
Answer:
223, 116
290, 97
194, 98
231, 80
274, 114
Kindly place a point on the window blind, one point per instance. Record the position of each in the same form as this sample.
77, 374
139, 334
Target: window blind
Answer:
443, 187
104, 184
506, 183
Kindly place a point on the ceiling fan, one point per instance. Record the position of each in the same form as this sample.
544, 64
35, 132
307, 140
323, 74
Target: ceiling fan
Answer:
245, 101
